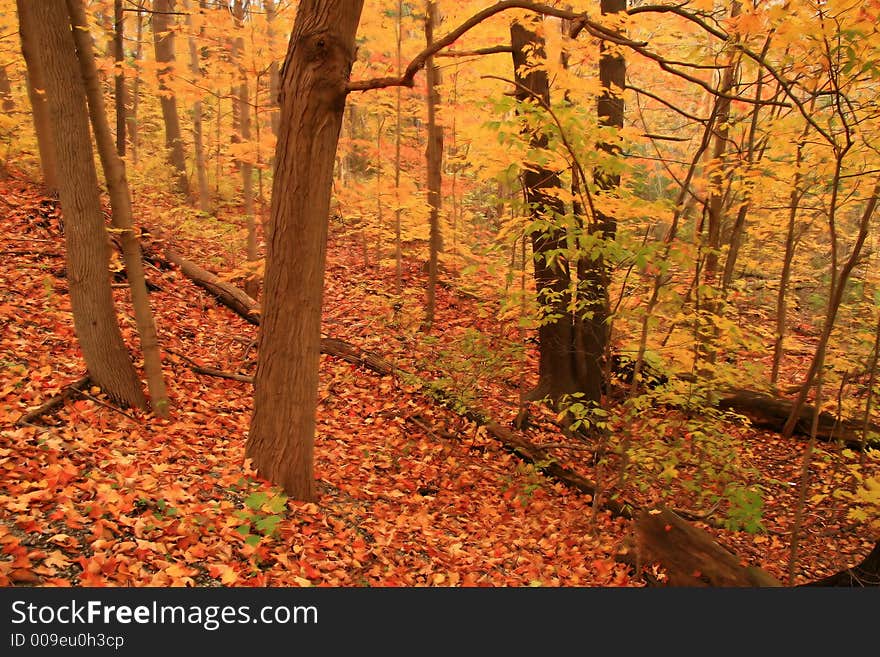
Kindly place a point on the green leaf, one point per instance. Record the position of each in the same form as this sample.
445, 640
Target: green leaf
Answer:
256, 500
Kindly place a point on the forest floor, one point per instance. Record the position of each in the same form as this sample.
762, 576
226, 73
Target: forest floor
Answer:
410, 494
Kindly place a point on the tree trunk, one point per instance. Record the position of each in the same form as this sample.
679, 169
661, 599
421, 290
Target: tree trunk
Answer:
163, 41
398, 246
6, 101
88, 255
122, 219
794, 200
312, 98
36, 91
434, 156
252, 282
119, 79
198, 137
269, 7
557, 369
594, 274
136, 83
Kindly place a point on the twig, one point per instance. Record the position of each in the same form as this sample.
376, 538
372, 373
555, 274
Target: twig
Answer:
106, 405
54, 402
210, 371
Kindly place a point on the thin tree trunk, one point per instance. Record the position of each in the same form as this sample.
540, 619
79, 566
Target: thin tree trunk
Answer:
198, 136
88, 254
119, 79
36, 86
122, 219
136, 83
398, 247
269, 8
794, 200
434, 156
6, 101
242, 101
313, 93
594, 274
163, 40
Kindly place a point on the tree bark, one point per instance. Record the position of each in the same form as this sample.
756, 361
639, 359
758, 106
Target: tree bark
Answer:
593, 272
312, 97
204, 199
87, 243
252, 282
557, 369
36, 86
136, 83
434, 157
122, 217
163, 41
119, 75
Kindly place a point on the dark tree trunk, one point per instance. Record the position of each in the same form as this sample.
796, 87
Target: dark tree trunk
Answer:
312, 98
557, 366
119, 87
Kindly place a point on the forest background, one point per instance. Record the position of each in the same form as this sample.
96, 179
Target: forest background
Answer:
588, 264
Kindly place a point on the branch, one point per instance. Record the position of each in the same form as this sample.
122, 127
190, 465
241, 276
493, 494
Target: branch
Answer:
408, 76
491, 50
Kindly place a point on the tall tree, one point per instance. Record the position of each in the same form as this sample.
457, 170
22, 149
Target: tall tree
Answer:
36, 86
312, 97
434, 157
87, 245
594, 273
119, 75
557, 369
242, 101
163, 41
204, 194
122, 217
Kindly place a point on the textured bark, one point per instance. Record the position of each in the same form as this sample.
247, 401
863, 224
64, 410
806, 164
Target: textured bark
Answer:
204, 199
313, 92
163, 41
87, 244
398, 247
119, 75
122, 217
434, 157
557, 369
36, 91
594, 274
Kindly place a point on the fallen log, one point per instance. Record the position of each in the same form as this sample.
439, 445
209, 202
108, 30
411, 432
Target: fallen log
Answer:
229, 295
769, 412
867, 573
690, 556
53, 402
